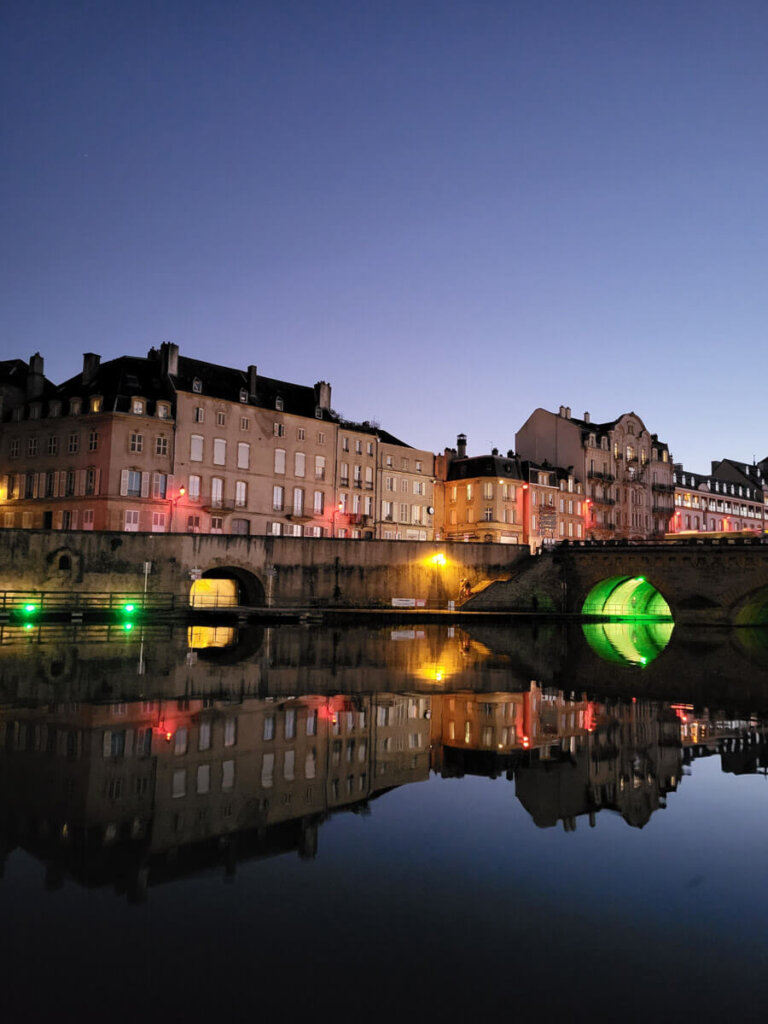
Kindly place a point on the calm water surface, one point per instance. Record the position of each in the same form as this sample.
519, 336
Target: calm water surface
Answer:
359, 823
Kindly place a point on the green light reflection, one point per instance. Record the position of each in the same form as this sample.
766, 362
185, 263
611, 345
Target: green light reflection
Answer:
637, 642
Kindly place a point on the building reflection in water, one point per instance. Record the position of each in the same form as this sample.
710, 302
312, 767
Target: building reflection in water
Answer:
135, 793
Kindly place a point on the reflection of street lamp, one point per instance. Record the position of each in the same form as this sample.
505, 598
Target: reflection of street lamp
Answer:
174, 502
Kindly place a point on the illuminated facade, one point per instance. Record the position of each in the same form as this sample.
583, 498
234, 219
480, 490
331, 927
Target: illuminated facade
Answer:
627, 470
172, 444
506, 500
730, 498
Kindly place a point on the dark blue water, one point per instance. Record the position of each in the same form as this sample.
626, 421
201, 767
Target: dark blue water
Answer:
640, 894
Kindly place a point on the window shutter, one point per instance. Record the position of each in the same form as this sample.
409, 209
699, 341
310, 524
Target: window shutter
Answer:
124, 482
96, 481
155, 485
107, 744
145, 485
58, 520
169, 486
56, 484
80, 484
75, 519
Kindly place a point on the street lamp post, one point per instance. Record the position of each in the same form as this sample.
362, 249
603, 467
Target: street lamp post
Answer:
174, 503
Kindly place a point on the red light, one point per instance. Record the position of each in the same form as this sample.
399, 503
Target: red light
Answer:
526, 742
169, 736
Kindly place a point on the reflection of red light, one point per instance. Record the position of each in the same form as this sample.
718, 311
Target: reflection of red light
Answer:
634, 700
168, 736
526, 742
589, 718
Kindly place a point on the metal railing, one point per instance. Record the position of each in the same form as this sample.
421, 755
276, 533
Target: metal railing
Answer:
71, 600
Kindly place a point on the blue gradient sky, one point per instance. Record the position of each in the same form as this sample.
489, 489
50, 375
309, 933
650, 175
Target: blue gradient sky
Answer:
455, 212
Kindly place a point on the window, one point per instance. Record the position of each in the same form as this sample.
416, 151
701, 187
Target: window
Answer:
93, 440
320, 437
245, 423
14, 448
217, 491
159, 485
311, 729
31, 446
131, 521
243, 395
203, 778
219, 451
243, 455
136, 443
88, 519
197, 386
204, 736
179, 783
75, 405
158, 522
403, 513
241, 494
74, 444
386, 511
300, 433
487, 514
162, 411
319, 467
193, 524
298, 501
278, 429
221, 419
161, 445
196, 448
217, 524
278, 498
240, 527
230, 732
269, 727
280, 460
469, 492
53, 445
180, 741
137, 407
487, 491
299, 464
279, 404
199, 414
132, 484
318, 503
194, 488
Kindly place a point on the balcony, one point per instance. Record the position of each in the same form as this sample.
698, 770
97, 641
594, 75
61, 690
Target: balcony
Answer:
603, 501
663, 488
662, 510
210, 504
595, 474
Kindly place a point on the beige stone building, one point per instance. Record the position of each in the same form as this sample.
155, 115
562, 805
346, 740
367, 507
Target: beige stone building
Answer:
506, 499
731, 498
627, 470
168, 443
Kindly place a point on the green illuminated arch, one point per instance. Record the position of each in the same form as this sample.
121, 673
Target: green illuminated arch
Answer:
626, 597
637, 642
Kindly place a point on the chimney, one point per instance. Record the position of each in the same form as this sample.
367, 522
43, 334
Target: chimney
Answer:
567, 412
169, 358
91, 363
461, 446
35, 378
253, 378
586, 417
323, 395
562, 411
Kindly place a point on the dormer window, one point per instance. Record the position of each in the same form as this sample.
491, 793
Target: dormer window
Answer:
197, 386
592, 441
75, 405
243, 395
96, 403
54, 409
17, 414
318, 412
162, 411
279, 404
137, 407
34, 411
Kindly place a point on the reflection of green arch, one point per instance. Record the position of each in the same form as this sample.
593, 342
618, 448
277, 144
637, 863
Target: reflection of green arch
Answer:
637, 642
626, 597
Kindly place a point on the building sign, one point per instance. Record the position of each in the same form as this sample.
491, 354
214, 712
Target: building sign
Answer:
408, 602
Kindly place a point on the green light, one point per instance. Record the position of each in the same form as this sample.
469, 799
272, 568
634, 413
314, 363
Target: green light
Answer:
128, 626
129, 607
30, 609
635, 643
28, 625
626, 597
639, 579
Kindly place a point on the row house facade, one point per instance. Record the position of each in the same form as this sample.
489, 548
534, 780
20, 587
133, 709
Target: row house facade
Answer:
506, 499
730, 498
172, 444
627, 470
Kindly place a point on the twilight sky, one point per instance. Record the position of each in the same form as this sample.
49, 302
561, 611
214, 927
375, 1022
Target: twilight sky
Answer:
453, 211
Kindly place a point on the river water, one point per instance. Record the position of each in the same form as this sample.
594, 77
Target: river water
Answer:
288, 823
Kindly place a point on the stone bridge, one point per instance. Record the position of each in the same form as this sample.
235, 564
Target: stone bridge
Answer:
715, 583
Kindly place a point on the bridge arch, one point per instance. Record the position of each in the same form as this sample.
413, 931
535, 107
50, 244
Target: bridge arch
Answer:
626, 597
227, 586
635, 642
752, 609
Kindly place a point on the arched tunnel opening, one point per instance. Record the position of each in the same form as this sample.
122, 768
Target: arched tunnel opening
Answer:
227, 587
753, 610
626, 597
639, 624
